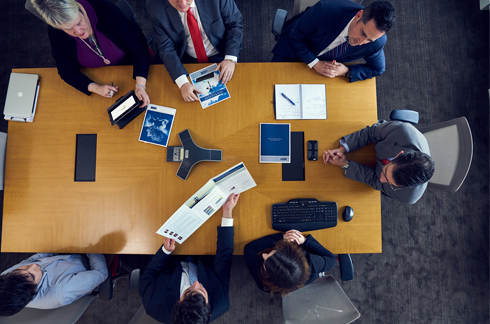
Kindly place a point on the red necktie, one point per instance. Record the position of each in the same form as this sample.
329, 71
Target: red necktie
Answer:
196, 38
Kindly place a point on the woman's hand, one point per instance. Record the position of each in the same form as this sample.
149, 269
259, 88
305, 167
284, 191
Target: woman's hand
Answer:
142, 95
294, 236
102, 90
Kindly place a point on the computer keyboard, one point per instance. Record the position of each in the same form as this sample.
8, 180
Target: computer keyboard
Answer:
306, 214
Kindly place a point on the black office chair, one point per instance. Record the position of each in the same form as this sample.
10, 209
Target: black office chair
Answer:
451, 149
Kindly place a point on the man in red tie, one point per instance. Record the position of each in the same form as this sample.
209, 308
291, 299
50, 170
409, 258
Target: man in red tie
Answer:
403, 164
196, 31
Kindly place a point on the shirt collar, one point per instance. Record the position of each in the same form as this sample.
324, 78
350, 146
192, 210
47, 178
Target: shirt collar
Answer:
345, 32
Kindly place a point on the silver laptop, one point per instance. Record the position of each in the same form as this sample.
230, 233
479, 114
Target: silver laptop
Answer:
21, 94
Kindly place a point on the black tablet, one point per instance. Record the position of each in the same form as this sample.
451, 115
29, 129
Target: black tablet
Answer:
123, 106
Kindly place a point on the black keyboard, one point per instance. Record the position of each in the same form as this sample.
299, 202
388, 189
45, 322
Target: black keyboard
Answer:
306, 214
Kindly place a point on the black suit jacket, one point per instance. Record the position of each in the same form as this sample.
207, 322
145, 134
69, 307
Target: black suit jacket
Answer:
319, 258
160, 281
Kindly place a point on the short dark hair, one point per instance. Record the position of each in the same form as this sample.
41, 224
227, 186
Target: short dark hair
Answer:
286, 270
16, 291
383, 13
412, 169
192, 309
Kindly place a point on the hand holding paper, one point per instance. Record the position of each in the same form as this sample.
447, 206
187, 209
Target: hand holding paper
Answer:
229, 205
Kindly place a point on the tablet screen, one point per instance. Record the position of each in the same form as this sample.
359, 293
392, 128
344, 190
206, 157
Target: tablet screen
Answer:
123, 107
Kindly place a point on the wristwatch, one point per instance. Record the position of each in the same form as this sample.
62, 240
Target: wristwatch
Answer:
348, 74
345, 167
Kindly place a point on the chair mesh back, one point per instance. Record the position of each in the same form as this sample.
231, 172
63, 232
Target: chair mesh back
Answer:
444, 159
322, 301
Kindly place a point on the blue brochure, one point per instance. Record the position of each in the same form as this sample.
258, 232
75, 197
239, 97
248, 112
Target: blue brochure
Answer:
275, 143
212, 90
157, 125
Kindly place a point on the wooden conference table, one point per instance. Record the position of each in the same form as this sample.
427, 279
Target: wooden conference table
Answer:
136, 190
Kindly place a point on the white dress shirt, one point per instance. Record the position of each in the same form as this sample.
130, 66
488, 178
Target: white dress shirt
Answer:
336, 42
190, 50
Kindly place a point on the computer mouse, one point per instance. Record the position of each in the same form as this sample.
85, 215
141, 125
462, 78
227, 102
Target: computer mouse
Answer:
348, 214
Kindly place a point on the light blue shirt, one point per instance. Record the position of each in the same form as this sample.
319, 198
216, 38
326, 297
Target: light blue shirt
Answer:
65, 278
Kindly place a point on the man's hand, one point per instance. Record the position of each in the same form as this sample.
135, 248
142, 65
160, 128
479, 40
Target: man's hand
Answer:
335, 158
229, 205
189, 92
101, 90
327, 157
330, 69
226, 69
335, 69
294, 236
169, 244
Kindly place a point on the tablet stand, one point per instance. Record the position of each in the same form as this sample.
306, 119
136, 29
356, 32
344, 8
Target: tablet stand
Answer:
190, 154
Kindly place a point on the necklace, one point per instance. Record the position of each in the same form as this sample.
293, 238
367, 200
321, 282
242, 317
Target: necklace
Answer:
98, 51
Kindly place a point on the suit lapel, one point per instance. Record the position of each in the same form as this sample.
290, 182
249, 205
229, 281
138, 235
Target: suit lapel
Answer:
174, 17
204, 16
203, 277
174, 283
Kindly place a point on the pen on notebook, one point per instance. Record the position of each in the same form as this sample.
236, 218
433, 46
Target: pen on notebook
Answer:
112, 92
288, 98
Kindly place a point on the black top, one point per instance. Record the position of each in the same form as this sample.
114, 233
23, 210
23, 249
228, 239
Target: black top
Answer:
319, 258
126, 35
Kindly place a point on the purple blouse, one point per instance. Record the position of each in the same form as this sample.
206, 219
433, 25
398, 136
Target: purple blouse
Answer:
110, 51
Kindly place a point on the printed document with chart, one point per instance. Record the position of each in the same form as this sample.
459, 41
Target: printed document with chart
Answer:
300, 101
204, 203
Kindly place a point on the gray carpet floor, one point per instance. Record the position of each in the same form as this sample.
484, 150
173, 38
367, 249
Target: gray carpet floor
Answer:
435, 262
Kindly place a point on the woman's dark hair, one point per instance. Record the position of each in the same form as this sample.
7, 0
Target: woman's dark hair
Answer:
192, 309
383, 13
412, 169
16, 291
286, 270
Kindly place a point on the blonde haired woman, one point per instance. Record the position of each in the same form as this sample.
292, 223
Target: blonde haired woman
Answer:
94, 33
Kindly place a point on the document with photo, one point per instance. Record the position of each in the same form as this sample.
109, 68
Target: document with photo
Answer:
212, 90
157, 125
205, 202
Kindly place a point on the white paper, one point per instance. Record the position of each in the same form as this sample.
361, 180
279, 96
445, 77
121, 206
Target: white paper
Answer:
314, 101
284, 108
205, 202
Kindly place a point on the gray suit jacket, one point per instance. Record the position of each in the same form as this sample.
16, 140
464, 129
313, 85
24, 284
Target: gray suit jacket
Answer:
390, 138
220, 19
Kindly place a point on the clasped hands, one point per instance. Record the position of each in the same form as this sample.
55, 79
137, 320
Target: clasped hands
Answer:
335, 156
226, 69
331, 69
294, 236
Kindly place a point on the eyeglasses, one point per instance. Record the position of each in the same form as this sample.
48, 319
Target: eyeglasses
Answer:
392, 186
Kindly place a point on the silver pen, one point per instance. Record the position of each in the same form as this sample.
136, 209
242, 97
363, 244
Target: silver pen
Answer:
112, 92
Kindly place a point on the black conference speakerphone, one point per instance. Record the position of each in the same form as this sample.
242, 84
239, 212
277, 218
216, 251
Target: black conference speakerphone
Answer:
307, 214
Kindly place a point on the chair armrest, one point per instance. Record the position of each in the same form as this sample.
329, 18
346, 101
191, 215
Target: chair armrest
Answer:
346, 267
126, 9
278, 22
134, 283
405, 115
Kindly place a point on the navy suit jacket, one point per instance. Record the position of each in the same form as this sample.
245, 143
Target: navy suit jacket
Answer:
319, 258
318, 27
160, 281
220, 19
